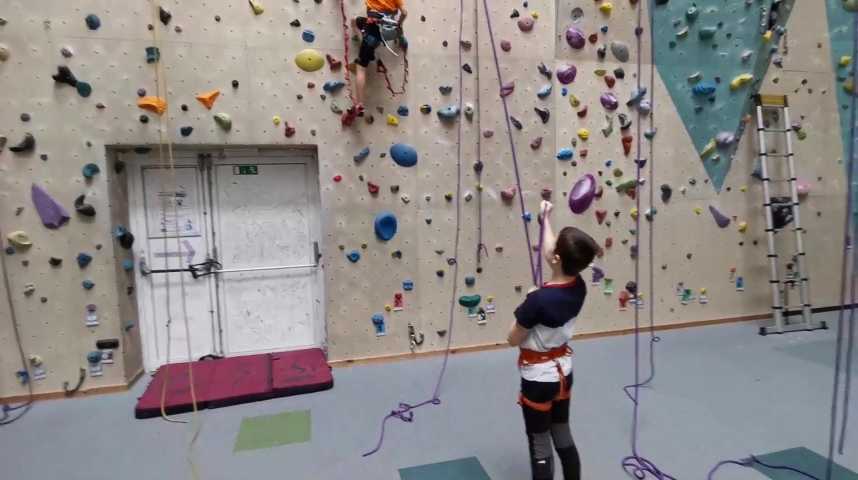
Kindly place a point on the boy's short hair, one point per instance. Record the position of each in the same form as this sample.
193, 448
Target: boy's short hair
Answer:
576, 250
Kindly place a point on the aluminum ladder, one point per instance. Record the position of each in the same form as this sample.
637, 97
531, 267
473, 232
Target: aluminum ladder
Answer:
777, 220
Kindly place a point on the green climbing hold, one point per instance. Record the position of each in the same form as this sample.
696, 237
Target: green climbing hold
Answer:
223, 120
707, 33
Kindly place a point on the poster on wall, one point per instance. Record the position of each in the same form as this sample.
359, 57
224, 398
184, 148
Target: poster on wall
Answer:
172, 207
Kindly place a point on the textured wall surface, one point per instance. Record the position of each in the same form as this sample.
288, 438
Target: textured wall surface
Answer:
200, 53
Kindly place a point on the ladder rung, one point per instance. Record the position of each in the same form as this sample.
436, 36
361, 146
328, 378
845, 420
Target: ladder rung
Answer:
774, 130
764, 100
777, 308
772, 255
774, 281
776, 155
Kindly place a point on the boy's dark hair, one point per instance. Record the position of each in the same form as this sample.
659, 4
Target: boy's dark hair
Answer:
576, 250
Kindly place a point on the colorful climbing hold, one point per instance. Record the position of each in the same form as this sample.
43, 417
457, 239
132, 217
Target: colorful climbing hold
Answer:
620, 50
256, 7
740, 81
703, 89
208, 98
19, 239
308, 36
565, 153
575, 38
525, 24
609, 101
333, 86
92, 21
52, 214
309, 60
448, 113
392, 120
82, 208
583, 134
582, 194
544, 91
223, 120
720, 219
89, 285
361, 155
83, 259
153, 104
404, 155
566, 74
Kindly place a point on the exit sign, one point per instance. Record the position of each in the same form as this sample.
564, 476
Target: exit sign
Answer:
245, 170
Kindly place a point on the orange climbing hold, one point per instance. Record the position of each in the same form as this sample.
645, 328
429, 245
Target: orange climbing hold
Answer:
153, 104
208, 98
627, 144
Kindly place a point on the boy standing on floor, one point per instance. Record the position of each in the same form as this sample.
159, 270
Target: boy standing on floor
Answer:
371, 33
543, 328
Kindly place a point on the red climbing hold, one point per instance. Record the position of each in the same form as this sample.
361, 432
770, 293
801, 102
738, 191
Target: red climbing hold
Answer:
609, 242
582, 113
508, 194
601, 215
536, 143
338, 178
593, 38
583, 153
373, 188
627, 144
289, 130
333, 63
610, 81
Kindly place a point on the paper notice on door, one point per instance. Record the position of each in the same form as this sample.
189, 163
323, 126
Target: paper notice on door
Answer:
172, 208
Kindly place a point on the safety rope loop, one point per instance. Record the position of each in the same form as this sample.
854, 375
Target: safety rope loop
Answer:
347, 73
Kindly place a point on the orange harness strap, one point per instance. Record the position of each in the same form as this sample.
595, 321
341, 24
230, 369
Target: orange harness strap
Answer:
530, 357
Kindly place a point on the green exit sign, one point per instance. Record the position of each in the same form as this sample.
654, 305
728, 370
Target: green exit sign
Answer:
245, 170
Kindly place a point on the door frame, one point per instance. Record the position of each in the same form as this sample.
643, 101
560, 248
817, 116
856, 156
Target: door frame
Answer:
196, 156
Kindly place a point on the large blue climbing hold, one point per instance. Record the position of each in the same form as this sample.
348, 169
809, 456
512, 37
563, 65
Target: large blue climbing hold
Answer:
565, 153
333, 86
449, 113
385, 226
704, 89
404, 155
92, 21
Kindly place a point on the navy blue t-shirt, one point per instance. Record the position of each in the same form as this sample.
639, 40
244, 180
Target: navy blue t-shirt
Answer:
552, 306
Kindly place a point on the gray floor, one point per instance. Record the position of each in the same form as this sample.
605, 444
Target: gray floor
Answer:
721, 392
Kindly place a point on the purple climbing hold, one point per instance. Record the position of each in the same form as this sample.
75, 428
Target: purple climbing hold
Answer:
609, 101
505, 45
722, 220
575, 38
582, 194
566, 74
725, 139
507, 89
53, 214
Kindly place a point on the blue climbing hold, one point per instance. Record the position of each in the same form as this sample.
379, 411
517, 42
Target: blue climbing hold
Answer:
83, 89
402, 111
703, 89
94, 357
564, 91
83, 259
10, 250
361, 155
128, 265
544, 91
404, 155
333, 86
408, 285
449, 113
353, 256
308, 36
92, 21
527, 217
385, 226
378, 323
565, 153
470, 281
88, 284
90, 170
186, 131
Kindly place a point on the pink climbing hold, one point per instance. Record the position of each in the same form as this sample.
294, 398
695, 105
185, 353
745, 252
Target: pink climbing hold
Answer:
53, 214
575, 38
582, 194
536, 143
507, 89
722, 220
601, 215
566, 74
508, 194
505, 45
525, 24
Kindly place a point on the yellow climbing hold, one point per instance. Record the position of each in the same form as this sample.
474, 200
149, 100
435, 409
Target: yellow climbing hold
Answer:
634, 213
708, 149
743, 227
740, 81
573, 100
534, 14
257, 7
276, 120
153, 104
19, 239
845, 60
698, 210
606, 8
309, 60
600, 72
849, 85
743, 188
767, 36
208, 98
490, 299
703, 291
387, 308
584, 134
392, 120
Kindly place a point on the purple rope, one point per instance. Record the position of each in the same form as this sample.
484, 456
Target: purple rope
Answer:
511, 143
751, 461
634, 464
405, 411
538, 259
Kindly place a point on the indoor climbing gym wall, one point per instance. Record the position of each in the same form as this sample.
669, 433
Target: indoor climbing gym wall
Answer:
420, 198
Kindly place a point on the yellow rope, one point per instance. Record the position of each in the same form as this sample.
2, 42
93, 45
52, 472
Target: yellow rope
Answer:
164, 139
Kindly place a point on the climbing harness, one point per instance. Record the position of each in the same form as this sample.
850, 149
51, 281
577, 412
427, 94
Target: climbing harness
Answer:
405, 411
532, 357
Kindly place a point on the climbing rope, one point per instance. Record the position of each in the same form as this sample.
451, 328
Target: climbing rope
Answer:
382, 69
346, 40
405, 411
511, 142
635, 464
164, 124
25, 365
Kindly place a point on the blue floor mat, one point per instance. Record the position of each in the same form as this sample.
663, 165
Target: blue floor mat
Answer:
462, 469
804, 460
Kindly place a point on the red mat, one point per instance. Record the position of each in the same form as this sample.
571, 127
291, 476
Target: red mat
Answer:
230, 381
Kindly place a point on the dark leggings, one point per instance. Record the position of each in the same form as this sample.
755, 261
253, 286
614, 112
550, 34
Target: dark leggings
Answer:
545, 428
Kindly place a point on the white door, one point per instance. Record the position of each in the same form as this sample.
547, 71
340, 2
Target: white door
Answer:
257, 215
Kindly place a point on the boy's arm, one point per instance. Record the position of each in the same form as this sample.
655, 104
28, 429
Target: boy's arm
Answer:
403, 13
517, 334
549, 239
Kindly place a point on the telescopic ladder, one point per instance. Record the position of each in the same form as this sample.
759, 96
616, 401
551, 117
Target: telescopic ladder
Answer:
779, 212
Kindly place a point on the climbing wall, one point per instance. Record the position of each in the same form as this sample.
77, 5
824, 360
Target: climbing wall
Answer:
561, 131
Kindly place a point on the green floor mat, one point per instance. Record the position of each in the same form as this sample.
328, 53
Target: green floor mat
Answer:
804, 460
462, 469
268, 431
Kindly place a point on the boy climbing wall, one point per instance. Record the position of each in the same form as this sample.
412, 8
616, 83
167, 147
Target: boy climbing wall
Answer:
542, 330
377, 12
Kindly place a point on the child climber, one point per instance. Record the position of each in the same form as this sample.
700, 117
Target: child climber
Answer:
543, 328
376, 12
